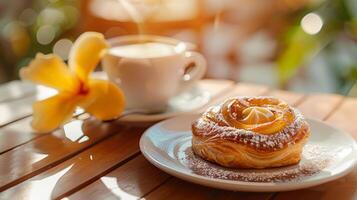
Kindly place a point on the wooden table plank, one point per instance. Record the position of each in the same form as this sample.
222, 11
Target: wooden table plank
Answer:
16, 134
178, 189
132, 180
16, 90
81, 169
246, 89
240, 89
20, 132
15, 110
341, 189
43, 152
290, 97
320, 106
345, 187
109, 169
26, 151
346, 117
214, 86
22, 107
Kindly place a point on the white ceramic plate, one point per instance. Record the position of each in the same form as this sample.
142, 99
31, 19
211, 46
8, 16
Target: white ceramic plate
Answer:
167, 145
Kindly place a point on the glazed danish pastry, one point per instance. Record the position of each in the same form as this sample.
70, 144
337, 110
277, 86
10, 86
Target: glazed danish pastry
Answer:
250, 132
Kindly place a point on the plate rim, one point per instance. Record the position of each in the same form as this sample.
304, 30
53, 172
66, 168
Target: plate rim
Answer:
242, 185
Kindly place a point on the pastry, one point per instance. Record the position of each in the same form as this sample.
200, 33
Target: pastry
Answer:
250, 132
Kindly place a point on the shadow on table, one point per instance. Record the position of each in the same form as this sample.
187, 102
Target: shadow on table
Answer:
67, 157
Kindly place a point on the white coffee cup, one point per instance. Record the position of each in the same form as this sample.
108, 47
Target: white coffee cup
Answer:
152, 69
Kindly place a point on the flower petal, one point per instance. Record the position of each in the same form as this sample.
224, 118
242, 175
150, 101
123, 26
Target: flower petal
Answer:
86, 53
51, 71
105, 100
51, 113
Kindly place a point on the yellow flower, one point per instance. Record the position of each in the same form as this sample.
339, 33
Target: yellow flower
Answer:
100, 98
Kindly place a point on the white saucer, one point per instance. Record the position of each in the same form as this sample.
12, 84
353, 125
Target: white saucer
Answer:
184, 103
166, 145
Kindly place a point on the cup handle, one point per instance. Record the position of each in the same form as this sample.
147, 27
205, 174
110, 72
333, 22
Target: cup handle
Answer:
194, 74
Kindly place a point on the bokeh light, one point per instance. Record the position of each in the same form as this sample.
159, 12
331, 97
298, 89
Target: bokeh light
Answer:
51, 16
45, 34
18, 37
311, 23
267, 42
62, 48
28, 16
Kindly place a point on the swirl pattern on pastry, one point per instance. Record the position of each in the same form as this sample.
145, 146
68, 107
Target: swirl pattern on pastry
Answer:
250, 132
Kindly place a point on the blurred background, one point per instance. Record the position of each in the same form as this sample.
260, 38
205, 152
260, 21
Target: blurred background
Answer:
299, 45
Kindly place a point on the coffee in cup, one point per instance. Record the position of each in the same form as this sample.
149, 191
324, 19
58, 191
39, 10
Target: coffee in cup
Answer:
143, 50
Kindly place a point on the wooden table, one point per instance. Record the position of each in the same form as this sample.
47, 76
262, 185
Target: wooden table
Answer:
88, 159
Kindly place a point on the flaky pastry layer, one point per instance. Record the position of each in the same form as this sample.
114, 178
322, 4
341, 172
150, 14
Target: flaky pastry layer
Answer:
216, 141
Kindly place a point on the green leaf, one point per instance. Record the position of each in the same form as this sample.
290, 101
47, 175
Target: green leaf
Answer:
301, 48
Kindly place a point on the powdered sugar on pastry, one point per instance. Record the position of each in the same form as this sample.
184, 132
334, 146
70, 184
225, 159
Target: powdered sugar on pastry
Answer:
276, 141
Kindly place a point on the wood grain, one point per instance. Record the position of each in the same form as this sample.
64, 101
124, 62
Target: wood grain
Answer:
320, 106
22, 107
43, 152
16, 134
345, 116
291, 98
214, 86
15, 110
16, 90
132, 180
81, 169
345, 187
342, 189
240, 89
178, 189
20, 133
94, 160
